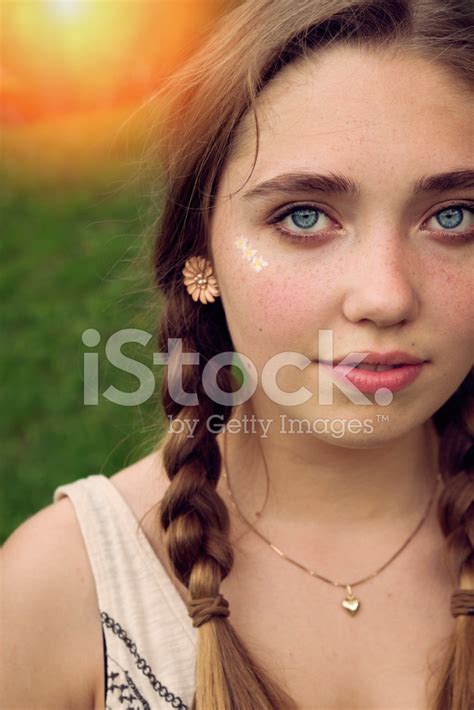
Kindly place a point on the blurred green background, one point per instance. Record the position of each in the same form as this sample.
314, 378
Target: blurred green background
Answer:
76, 221
75, 256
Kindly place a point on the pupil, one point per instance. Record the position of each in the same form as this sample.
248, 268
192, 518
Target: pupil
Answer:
305, 218
451, 217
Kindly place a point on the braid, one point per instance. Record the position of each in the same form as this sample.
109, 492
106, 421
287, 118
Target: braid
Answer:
197, 523
456, 516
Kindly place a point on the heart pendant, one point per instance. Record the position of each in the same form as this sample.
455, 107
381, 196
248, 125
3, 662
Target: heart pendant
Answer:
351, 603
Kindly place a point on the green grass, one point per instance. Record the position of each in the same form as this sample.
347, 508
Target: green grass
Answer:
73, 258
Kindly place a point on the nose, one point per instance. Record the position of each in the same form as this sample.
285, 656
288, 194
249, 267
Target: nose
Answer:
379, 283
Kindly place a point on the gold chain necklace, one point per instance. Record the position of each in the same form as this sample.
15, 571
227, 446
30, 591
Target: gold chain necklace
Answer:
350, 603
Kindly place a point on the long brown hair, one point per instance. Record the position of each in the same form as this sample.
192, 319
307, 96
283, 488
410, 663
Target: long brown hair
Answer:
206, 98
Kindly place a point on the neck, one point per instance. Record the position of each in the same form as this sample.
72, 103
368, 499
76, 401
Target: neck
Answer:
316, 486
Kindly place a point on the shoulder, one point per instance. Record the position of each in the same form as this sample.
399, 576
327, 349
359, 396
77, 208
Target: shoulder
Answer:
143, 483
50, 618
49, 612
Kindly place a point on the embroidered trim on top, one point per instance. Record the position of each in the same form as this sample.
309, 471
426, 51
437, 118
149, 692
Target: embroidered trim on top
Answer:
141, 663
120, 681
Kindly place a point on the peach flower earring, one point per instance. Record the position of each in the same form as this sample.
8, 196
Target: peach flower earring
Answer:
199, 280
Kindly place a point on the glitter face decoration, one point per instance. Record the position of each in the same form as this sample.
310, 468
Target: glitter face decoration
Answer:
256, 262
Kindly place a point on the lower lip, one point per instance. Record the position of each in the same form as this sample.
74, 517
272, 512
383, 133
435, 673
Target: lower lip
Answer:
370, 381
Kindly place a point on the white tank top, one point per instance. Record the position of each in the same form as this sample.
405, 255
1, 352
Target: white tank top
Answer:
148, 636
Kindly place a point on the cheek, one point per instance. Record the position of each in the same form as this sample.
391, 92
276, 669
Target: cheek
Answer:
280, 297
450, 301
279, 304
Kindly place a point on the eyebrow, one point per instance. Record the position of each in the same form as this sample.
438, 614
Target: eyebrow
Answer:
340, 184
456, 179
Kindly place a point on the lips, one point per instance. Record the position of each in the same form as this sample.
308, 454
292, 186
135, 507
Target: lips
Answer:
393, 379
376, 368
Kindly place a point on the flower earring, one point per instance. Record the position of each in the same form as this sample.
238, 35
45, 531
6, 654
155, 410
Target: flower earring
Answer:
199, 280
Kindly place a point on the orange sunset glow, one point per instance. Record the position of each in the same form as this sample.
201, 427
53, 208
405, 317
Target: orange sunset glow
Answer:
66, 55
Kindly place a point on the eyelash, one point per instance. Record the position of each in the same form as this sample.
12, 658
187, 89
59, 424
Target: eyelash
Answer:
322, 236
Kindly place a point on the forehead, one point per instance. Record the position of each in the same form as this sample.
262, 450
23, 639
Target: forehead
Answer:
361, 109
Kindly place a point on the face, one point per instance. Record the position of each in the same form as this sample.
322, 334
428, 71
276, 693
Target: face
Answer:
380, 265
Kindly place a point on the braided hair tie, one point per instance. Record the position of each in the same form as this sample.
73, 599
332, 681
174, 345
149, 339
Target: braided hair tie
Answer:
462, 602
204, 609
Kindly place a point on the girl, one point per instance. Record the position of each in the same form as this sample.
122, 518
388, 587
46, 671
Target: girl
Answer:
311, 538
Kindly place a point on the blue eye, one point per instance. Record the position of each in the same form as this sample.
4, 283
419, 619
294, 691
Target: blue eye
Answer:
305, 218
450, 217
